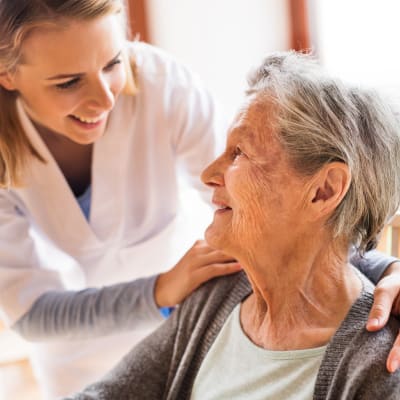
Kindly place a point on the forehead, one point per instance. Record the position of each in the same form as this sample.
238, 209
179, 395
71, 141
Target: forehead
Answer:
71, 42
255, 121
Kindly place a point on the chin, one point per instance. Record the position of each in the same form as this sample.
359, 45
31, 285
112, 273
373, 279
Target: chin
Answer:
215, 238
85, 139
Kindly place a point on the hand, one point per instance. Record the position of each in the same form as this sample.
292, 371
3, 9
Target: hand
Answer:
386, 299
200, 264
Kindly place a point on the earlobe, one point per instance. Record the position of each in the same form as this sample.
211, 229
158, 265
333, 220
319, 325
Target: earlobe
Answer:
6, 81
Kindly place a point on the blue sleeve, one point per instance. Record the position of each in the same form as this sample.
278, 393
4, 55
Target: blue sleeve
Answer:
372, 264
166, 311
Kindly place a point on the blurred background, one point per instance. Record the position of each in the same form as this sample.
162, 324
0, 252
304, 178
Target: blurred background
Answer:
221, 40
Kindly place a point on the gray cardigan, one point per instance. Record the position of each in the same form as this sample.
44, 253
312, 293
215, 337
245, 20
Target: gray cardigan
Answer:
165, 364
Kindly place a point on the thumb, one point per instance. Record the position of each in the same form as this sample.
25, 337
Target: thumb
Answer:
393, 361
380, 310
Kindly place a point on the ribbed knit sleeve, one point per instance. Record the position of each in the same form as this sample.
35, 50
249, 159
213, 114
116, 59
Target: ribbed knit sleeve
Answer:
91, 312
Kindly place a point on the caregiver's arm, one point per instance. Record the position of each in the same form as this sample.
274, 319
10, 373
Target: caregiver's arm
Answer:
90, 312
372, 264
385, 272
121, 307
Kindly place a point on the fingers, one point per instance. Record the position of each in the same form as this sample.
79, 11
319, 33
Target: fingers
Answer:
393, 360
216, 257
201, 254
219, 269
396, 306
202, 247
380, 311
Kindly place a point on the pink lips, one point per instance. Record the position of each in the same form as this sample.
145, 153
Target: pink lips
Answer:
88, 125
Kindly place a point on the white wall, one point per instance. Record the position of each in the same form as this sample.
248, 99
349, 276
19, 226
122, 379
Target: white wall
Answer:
220, 39
358, 40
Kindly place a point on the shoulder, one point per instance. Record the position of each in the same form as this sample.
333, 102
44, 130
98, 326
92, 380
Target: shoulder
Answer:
158, 63
365, 362
355, 361
167, 87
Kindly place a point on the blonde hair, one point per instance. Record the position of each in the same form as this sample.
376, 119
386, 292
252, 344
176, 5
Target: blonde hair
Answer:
17, 20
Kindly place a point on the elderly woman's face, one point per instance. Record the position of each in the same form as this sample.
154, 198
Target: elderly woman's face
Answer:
258, 194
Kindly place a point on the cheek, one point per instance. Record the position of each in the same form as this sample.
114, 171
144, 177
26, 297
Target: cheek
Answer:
251, 199
47, 108
118, 81
65, 102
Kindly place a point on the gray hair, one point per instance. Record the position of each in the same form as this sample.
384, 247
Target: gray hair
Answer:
320, 120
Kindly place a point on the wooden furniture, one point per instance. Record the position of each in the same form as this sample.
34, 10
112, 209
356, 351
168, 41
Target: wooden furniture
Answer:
137, 14
390, 241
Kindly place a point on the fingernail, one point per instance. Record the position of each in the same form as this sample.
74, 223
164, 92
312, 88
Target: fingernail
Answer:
394, 365
373, 323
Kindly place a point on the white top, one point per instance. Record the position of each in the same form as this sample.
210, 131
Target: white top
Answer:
134, 229
236, 369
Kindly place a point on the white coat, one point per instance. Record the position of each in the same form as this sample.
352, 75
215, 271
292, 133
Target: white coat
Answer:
134, 228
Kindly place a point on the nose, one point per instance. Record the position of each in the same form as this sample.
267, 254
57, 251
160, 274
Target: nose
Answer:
213, 175
101, 95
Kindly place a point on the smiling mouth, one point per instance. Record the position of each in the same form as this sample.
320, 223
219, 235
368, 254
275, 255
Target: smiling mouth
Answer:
220, 204
222, 208
89, 121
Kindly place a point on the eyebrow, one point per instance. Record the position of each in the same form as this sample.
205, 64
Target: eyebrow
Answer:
78, 74
243, 132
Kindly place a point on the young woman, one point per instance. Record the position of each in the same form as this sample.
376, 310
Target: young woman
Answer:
92, 130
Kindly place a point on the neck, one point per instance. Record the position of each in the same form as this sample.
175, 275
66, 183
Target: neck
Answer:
73, 159
300, 299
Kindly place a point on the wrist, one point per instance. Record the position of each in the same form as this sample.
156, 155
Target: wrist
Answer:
161, 292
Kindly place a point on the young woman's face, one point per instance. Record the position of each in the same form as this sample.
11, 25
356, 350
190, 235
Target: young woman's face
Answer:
70, 78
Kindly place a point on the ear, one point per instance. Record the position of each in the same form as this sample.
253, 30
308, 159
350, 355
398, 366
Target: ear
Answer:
329, 188
7, 81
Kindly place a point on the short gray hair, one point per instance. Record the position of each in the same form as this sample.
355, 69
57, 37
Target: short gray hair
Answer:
320, 120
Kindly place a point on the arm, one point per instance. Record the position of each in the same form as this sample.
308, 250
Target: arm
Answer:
90, 312
22, 280
124, 306
373, 264
33, 299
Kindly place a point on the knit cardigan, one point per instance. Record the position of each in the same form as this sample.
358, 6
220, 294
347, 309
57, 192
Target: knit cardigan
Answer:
165, 364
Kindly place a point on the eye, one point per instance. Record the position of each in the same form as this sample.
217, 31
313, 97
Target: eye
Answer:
68, 84
237, 152
112, 64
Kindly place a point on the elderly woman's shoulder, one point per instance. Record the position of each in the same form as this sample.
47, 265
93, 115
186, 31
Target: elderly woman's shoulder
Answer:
358, 357
364, 364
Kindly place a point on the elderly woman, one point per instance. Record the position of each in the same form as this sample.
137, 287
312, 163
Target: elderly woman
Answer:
311, 168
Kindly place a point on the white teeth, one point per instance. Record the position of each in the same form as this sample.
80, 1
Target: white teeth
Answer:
89, 120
